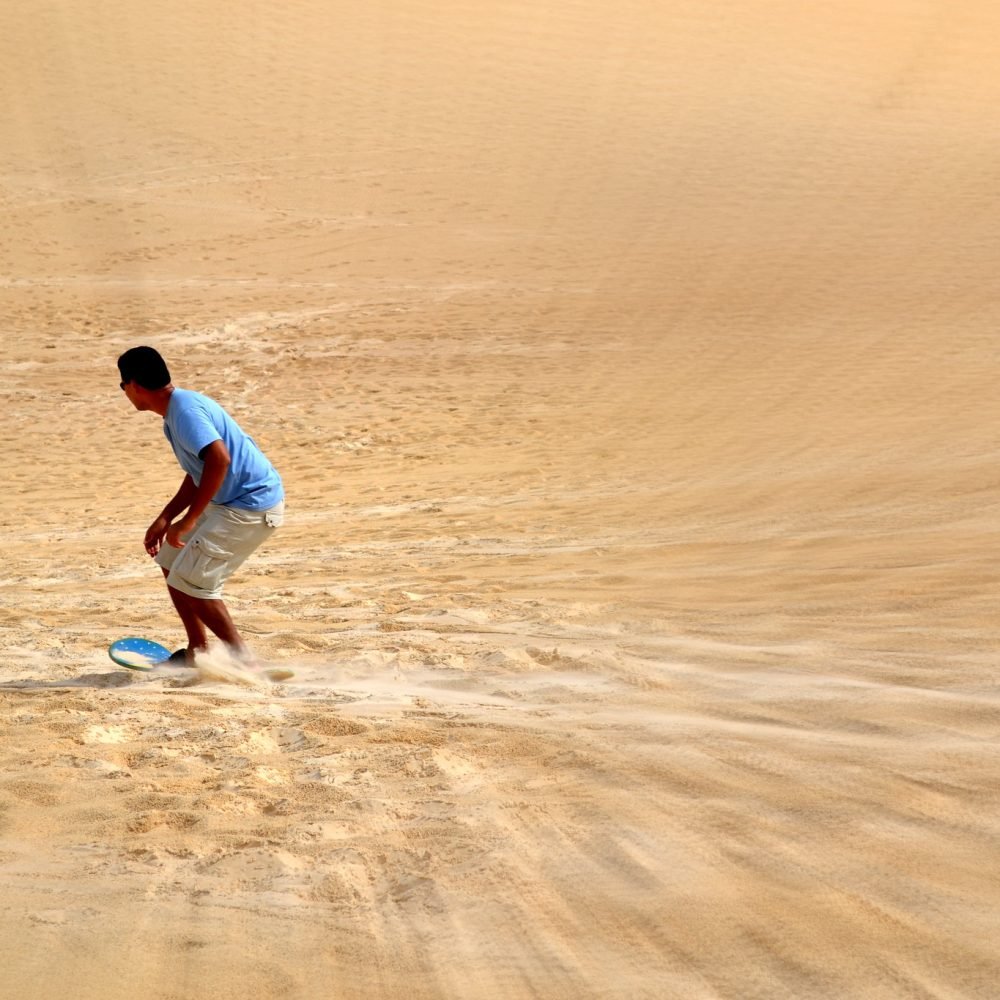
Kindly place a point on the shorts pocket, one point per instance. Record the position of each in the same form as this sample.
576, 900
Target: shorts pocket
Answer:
209, 568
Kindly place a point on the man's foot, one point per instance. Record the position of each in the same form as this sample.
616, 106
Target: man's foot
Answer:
180, 658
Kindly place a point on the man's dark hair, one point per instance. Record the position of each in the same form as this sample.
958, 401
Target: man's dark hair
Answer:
145, 367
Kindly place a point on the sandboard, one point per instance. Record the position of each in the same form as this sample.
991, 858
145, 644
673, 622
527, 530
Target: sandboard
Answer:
138, 654
144, 654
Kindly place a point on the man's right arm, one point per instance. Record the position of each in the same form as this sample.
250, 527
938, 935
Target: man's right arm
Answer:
158, 529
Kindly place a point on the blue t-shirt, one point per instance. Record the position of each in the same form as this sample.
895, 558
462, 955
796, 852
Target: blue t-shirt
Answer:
194, 421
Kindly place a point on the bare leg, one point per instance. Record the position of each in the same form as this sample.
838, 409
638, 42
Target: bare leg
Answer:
196, 636
211, 614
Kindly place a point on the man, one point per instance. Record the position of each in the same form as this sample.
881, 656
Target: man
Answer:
230, 501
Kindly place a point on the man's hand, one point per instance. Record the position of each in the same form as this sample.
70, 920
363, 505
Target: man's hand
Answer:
182, 527
154, 535
191, 498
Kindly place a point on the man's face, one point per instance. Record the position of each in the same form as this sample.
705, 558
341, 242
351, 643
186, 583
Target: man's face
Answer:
135, 394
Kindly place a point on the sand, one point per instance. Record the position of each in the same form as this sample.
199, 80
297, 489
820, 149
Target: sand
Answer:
632, 371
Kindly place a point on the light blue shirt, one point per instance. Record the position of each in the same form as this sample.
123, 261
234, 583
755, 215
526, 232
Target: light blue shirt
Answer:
194, 421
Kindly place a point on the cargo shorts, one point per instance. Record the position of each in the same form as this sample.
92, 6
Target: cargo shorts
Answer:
221, 541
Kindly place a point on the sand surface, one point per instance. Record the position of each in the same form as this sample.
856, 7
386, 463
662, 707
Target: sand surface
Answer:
632, 370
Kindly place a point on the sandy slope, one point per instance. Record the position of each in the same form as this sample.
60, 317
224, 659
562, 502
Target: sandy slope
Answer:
631, 368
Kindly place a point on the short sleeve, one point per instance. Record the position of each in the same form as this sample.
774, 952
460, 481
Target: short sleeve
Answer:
194, 428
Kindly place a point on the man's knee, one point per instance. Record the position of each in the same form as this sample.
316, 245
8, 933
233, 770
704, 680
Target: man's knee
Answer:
180, 598
199, 605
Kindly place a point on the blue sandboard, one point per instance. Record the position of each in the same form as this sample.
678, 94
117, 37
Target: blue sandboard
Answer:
138, 654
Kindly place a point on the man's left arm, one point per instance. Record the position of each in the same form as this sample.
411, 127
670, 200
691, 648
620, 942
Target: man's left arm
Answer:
217, 461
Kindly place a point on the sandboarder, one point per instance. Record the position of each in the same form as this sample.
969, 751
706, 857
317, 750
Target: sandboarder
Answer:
230, 501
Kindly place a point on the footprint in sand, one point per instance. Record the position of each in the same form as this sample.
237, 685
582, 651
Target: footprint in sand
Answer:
107, 734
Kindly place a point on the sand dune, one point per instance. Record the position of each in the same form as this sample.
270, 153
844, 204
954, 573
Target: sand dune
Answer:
631, 369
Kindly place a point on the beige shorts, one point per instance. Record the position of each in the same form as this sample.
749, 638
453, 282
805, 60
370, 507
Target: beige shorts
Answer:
222, 540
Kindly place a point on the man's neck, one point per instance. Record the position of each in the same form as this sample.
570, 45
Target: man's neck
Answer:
159, 401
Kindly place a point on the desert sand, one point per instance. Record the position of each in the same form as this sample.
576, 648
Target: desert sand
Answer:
631, 368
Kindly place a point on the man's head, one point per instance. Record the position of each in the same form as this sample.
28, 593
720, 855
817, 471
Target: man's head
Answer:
145, 379
145, 367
